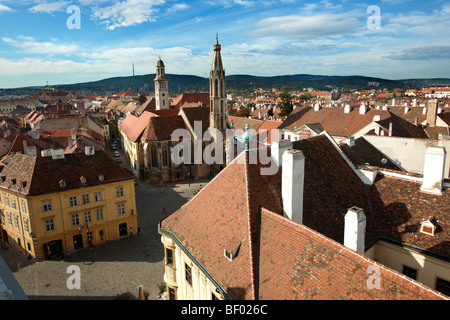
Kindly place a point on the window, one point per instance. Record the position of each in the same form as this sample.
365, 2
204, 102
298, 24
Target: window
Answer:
443, 286
16, 222
23, 206
85, 198
172, 293
73, 201
28, 246
89, 235
99, 214
169, 256
154, 156
13, 203
47, 206
410, 272
188, 274
49, 225
2, 216
165, 157
87, 216
121, 208
119, 192
9, 219
97, 196
25, 226
6, 201
75, 219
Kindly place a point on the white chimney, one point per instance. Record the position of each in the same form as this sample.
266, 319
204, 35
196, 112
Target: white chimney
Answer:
362, 109
317, 107
292, 184
355, 229
406, 110
277, 149
433, 171
393, 102
350, 141
347, 108
390, 129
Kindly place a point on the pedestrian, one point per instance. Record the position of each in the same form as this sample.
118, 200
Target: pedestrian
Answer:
90, 244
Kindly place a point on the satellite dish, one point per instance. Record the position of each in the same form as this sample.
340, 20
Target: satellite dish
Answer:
384, 161
396, 161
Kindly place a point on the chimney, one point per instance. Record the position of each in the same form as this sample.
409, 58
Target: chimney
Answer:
406, 110
317, 107
432, 112
390, 129
362, 109
347, 108
292, 184
355, 229
350, 140
393, 102
278, 148
433, 171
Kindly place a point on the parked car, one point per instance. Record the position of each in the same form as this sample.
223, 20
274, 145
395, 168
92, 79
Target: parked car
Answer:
119, 160
113, 147
116, 153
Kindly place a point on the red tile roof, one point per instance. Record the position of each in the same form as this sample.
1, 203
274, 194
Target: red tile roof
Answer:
134, 127
278, 258
31, 174
161, 128
202, 97
400, 206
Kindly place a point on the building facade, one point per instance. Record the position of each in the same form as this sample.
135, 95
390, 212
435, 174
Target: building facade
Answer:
88, 199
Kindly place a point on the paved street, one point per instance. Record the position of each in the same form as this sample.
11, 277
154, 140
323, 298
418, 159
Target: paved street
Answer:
115, 268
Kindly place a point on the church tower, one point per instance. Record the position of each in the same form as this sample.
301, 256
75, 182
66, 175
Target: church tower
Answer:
217, 117
161, 86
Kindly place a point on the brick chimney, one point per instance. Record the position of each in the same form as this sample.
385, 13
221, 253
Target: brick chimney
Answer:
292, 184
432, 112
355, 229
433, 171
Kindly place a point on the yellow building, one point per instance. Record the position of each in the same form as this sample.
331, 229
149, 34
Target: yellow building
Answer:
59, 202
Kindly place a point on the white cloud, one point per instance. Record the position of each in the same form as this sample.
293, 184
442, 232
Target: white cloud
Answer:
4, 8
126, 13
28, 45
307, 27
50, 7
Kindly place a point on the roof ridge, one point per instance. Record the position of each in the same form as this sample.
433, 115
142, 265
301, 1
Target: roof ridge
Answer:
252, 232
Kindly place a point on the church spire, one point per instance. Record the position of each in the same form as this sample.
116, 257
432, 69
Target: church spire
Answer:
217, 90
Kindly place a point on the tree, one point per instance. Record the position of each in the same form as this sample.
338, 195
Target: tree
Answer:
243, 112
142, 99
286, 105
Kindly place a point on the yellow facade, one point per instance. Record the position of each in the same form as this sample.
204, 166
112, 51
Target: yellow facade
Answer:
56, 222
184, 278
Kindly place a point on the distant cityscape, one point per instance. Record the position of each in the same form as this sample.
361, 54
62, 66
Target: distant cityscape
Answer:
357, 208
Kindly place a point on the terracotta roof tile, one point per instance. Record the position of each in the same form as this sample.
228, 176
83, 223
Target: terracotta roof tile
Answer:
33, 172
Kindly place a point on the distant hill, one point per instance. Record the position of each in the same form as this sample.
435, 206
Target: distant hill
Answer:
188, 83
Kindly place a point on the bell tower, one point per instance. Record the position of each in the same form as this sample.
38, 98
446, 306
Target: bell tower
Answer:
161, 86
217, 94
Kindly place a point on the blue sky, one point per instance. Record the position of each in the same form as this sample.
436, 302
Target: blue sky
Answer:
265, 38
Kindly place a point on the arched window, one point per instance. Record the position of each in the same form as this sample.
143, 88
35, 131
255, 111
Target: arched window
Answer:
216, 88
165, 158
154, 156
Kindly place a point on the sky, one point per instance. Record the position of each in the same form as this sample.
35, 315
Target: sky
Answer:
65, 42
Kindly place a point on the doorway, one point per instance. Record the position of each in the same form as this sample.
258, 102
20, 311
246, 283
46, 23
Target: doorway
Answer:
123, 229
77, 241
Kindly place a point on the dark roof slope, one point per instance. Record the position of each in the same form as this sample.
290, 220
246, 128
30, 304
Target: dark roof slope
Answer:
41, 175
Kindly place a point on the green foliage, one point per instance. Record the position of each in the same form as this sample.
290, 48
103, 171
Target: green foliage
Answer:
286, 105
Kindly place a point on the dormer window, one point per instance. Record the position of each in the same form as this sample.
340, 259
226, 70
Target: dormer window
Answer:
429, 226
83, 180
101, 177
62, 183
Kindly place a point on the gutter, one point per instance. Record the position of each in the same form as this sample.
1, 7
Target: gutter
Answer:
192, 258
